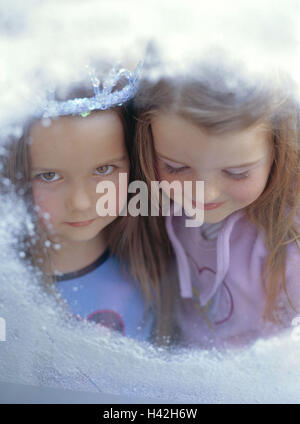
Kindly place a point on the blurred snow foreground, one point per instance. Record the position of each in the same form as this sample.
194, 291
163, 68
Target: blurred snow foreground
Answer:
48, 43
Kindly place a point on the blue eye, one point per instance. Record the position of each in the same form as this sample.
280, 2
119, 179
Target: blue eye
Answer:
235, 176
105, 170
48, 177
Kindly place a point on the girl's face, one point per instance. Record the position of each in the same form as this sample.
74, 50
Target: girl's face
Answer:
69, 158
234, 166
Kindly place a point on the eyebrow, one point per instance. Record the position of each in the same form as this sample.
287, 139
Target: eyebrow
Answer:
121, 159
244, 165
108, 161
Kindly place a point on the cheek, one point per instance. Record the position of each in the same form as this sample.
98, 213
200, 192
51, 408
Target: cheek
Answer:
165, 176
182, 191
249, 190
162, 175
47, 203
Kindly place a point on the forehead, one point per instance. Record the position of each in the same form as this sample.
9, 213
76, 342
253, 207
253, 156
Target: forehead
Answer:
76, 138
184, 141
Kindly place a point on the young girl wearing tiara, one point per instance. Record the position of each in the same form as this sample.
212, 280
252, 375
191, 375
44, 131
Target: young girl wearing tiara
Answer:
239, 271
70, 146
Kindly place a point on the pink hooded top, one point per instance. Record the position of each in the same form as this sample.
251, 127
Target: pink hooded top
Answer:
222, 277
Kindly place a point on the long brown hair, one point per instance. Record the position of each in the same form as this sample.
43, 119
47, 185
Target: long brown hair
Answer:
213, 104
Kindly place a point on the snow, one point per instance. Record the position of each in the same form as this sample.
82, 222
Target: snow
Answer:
44, 43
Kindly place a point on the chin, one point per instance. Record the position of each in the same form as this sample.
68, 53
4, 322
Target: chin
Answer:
210, 218
82, 235
76, 239
217, 215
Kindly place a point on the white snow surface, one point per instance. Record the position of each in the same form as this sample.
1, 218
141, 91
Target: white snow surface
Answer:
44, 43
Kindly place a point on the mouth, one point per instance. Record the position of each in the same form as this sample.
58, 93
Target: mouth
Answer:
80, 223
207, 206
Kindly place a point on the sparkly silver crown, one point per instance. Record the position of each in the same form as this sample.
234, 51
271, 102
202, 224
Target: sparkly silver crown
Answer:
104, 98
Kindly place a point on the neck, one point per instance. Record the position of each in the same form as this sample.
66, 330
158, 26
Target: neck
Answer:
73, 256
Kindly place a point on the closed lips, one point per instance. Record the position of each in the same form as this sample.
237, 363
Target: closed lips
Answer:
79, 223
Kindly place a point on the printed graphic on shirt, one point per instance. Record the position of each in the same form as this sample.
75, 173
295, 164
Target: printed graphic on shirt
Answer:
103, 295
108, 318
218, 309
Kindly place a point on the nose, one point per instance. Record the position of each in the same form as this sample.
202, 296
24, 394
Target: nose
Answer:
211, 191
80, 198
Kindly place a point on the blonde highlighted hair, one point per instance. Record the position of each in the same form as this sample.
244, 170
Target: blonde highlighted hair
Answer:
213, 104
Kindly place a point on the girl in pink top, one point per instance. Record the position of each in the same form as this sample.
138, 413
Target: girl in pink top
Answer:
239, 273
